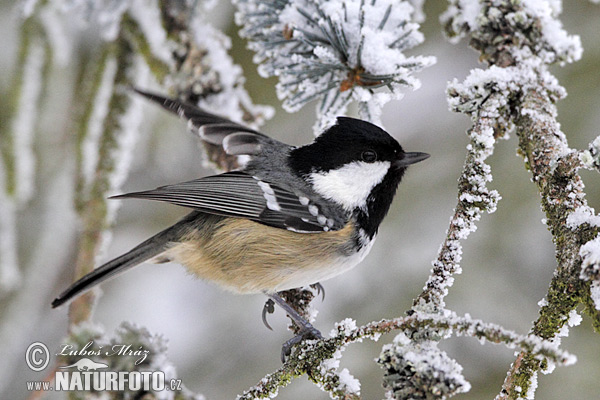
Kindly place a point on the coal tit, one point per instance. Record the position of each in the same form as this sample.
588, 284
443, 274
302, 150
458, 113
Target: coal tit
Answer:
286, 218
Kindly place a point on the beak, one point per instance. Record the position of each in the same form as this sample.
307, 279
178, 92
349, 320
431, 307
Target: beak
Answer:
411, 158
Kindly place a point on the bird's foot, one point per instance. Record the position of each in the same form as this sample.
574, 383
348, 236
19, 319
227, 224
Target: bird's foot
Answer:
307, 333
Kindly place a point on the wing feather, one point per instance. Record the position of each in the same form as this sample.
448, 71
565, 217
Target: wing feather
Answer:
237, 194
236, 139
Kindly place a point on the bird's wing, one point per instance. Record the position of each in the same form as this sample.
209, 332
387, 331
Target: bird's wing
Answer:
235, 139
237, 194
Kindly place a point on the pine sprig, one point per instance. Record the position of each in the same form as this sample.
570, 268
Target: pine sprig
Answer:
336, 51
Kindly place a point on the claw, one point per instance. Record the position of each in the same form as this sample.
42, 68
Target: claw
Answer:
307, 333
305, 329
268, 308
320, 290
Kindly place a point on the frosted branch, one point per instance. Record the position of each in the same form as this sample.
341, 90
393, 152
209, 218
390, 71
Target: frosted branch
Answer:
419, 370
518, 40
337, 52
311, 356
509, 32
107, 119
203, 73
473, 198
334, 52
147, 352
17, 159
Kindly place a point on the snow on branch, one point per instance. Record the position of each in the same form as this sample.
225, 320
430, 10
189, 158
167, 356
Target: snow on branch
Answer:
474, 197
335, 51
17, 136
146, 352
199, 69
107, 117
419, 370
412, 364
506, 32
591, 157
518, 39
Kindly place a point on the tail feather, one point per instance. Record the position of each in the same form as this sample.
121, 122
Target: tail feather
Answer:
143, 252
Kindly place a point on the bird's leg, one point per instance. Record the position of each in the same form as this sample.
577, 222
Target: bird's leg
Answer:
305, 328
269, 307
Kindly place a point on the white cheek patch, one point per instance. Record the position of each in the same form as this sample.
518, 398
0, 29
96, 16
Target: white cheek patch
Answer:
351, 184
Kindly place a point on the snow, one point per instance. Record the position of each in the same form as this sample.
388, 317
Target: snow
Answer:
590, 256
129, 128
105, 14
574, 318
346, 326
89, 147
147, 15
475, 197
58, 32
130, 124
420, 368
232, 100
526, 19
464, 12
593, 154
533, 384
571, 320
595, 293
543, 302
125, 136
27, 7
552, 31
328, 368
10, 275
583, 215
23, 125
353, 50
418, 14
347, 381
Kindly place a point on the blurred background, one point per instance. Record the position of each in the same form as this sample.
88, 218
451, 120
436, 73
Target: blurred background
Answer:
217, 340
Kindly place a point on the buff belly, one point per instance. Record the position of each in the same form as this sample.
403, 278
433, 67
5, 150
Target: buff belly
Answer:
247, 257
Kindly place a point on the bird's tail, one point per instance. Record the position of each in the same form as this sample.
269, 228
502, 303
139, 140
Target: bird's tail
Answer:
143, 252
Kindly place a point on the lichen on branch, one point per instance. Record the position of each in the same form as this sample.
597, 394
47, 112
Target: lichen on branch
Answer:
519, 39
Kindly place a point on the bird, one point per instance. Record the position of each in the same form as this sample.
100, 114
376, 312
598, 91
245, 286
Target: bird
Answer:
287, 217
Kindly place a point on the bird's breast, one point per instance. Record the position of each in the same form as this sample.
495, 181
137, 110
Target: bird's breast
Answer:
247, 257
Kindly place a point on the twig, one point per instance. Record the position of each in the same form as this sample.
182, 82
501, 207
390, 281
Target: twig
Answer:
307, 357
518, 51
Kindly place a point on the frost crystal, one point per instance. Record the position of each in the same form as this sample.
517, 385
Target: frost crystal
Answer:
337, 51
533, 384
231, 99
145, 352
419, 370
590, 256
591, 157
349, 382
104, 14
508, 31
336, 382
583, 215
10, 275
595, 294
24, 122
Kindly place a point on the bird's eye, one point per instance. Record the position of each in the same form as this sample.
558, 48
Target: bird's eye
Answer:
369, 156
